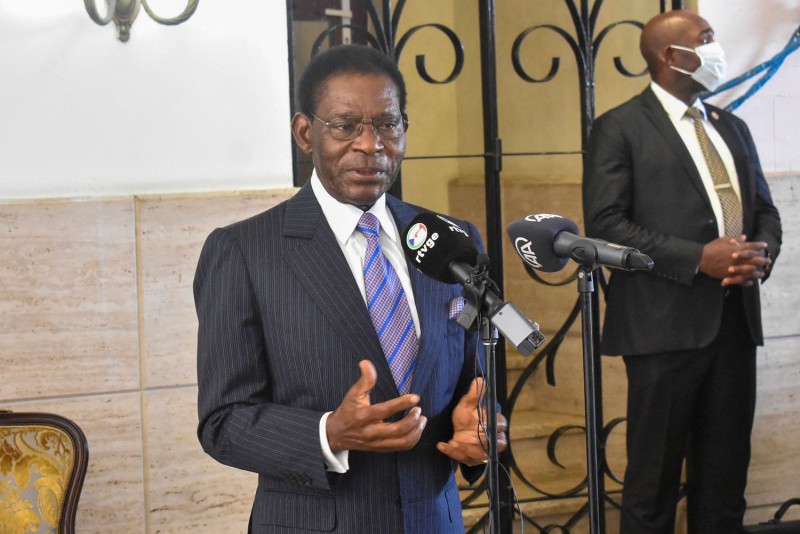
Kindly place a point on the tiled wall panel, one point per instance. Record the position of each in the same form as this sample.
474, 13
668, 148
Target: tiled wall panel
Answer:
82, 336
775, 464
67, 298
187, 490
779, 294
97, 323
172, 231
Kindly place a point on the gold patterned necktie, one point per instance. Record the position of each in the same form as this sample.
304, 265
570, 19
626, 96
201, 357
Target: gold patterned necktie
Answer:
731, 205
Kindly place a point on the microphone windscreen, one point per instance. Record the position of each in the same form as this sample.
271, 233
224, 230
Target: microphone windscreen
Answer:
533, 238
432, 242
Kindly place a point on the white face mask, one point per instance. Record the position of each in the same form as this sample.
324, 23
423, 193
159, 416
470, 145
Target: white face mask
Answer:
712, 64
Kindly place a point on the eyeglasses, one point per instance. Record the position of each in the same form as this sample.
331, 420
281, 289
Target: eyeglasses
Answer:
348, 128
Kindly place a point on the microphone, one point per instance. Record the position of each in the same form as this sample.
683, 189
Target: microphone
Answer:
545, 242
442, 250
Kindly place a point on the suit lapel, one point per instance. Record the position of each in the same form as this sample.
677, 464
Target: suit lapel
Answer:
663, 126
314, 255
431, 305
734, 142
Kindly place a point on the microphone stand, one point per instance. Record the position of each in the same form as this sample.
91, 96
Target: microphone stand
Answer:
489, 340
593, 395
482, 307
590, 254
588, 261
474, 292
488, 334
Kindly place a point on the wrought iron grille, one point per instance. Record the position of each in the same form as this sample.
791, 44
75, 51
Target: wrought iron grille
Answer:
376, 23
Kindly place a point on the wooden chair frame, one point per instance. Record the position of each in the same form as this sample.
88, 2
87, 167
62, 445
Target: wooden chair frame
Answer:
66, 522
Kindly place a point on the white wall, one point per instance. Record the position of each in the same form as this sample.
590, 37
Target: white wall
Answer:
205, 105
195, 107
752, 32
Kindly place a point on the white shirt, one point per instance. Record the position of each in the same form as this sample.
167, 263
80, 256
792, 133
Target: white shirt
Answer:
676, 110
343, 219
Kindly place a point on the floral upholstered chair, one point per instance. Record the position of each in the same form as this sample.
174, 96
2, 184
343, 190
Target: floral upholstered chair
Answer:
43, 460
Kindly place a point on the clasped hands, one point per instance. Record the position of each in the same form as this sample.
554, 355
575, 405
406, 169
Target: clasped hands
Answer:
356, 424
735, 260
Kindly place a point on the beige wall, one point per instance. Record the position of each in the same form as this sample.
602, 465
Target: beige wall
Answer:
97, 324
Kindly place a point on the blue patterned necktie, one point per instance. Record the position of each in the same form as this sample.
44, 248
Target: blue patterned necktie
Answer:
388, 307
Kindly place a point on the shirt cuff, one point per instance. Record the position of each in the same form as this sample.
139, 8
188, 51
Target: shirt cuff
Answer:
334, 461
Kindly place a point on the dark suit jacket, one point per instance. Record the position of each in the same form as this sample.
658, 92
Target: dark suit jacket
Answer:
282, 328
642, 189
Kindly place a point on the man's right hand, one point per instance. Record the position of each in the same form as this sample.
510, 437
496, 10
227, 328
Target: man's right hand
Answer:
358, 425
735, 261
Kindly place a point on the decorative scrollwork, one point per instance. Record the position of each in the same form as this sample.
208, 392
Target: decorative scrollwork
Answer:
535, 275
554, 62
576, 49
91, 9
551, 445
191, 7
618, 60
385, 31
552, 442
35, 463
458, 48
124, 12
607, 430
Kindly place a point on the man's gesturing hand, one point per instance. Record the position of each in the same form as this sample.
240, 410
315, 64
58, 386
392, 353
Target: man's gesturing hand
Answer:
357, 425
468, 444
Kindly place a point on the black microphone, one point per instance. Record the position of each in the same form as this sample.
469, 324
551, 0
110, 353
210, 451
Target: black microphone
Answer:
443, 250
545, 242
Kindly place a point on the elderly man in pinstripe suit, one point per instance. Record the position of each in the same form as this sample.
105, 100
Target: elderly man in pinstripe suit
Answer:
294, 383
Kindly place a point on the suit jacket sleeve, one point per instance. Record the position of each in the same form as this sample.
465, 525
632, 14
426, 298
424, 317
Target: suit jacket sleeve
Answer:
239, 425
641, 188
610, 187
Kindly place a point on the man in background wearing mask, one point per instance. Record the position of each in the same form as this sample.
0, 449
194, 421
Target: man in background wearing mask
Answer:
681, 181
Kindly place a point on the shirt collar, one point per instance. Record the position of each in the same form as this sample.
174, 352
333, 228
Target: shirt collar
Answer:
343, 218
674, 107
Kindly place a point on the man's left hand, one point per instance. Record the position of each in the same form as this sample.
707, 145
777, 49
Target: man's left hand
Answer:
749, 264
468, 444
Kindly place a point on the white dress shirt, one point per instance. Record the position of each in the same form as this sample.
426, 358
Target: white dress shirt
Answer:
343, 219
676, 110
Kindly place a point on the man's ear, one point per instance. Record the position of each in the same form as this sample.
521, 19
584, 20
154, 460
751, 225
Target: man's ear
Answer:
668, 56
301, 131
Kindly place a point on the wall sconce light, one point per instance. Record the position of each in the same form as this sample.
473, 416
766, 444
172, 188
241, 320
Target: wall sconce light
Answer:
123, 13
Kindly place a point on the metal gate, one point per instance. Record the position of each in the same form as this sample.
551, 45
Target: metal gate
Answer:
583, 29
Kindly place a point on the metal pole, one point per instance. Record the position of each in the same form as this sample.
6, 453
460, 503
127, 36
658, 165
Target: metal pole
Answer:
489, 339
593, 401
494, 231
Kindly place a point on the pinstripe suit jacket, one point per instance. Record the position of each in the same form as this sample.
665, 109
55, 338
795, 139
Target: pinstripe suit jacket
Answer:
282, 326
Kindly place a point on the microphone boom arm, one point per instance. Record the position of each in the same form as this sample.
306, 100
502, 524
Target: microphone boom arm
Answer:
509, 320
